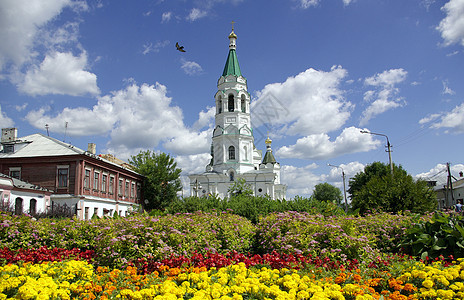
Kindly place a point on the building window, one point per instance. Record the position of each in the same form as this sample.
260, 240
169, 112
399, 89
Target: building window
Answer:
245, 152
96, 180
33, 207
120, 187
231, 176
231, 153
87, 179
63, 177
111, 188
86, 214
95, 211
132, 190
126, 190
219, 105
18, 206
139, 191
104, 181
243, 105
231, 104
15, 172
8, 148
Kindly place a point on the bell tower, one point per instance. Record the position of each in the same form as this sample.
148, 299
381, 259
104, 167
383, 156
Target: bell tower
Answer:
233, 153
233, 142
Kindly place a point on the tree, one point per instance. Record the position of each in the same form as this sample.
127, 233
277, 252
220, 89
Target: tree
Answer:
327, 193
377, 189
240, 187
161, 182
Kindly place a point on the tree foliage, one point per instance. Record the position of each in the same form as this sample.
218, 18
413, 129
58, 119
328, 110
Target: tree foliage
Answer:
327, 193
161, 182
377, 189
240, 187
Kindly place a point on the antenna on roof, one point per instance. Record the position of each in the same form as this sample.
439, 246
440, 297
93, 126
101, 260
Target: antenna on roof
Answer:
65, 130
46, 127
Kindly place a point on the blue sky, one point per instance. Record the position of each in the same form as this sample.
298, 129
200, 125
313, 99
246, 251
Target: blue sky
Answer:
110, 71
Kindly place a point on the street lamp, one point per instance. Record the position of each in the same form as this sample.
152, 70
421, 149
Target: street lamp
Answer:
344, 186
388, 147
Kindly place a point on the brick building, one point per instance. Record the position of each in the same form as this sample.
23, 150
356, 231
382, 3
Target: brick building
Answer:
89, 184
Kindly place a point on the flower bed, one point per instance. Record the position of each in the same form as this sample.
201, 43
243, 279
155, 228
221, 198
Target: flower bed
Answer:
80, 280
342, 237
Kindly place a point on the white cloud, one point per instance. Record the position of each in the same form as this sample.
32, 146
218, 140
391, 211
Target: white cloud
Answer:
135, 118
308, 103
205, 119
148, 48
446, 89
196, 14
21, 107
319, 146
452, 26
454, 120
300, 180
60, 73
384, 96
4, 120
351, 169
439, 173
166, 17
20, 21
429, 118
309, 3
191, 67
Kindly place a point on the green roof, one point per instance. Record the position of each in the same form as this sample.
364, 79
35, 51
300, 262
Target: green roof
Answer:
269, 158
232, 67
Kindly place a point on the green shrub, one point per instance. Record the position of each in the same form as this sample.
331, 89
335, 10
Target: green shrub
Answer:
443, 234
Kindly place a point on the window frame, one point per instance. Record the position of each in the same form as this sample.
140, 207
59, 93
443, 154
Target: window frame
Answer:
62, 178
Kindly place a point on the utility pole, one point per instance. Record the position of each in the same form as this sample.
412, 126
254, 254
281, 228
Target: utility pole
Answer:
449, 184
388, 148
344, 186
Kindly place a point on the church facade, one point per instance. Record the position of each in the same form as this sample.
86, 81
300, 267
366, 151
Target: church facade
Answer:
233, 153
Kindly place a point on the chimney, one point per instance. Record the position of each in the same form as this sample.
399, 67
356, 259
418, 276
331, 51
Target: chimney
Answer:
92, 148
9, 134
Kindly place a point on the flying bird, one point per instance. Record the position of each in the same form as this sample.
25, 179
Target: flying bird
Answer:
180, 48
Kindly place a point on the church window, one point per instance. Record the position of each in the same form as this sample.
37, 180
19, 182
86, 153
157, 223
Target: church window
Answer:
231, 103
219, 105
231, 152
242, 104
231, 176
245, 150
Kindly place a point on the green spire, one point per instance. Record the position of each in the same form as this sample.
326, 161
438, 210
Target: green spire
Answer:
232, 67
269, 158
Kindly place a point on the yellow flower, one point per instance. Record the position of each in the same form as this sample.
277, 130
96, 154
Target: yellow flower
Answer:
427, 283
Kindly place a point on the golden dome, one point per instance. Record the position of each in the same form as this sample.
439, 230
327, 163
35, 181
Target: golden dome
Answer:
232, 35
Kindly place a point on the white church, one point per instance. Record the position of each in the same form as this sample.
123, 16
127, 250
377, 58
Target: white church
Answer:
233, 153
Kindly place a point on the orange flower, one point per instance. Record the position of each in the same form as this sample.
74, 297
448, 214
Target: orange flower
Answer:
357, 277
97, 288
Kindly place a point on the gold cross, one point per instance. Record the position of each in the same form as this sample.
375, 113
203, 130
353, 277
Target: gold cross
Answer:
232, 25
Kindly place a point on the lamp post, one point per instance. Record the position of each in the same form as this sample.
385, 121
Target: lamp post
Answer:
344, 186
388, 148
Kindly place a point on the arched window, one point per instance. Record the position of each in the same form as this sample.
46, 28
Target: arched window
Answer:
18, 206
231, 104
242, 104
33, 207
232, 152
231, 176
219, 105
245, 151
